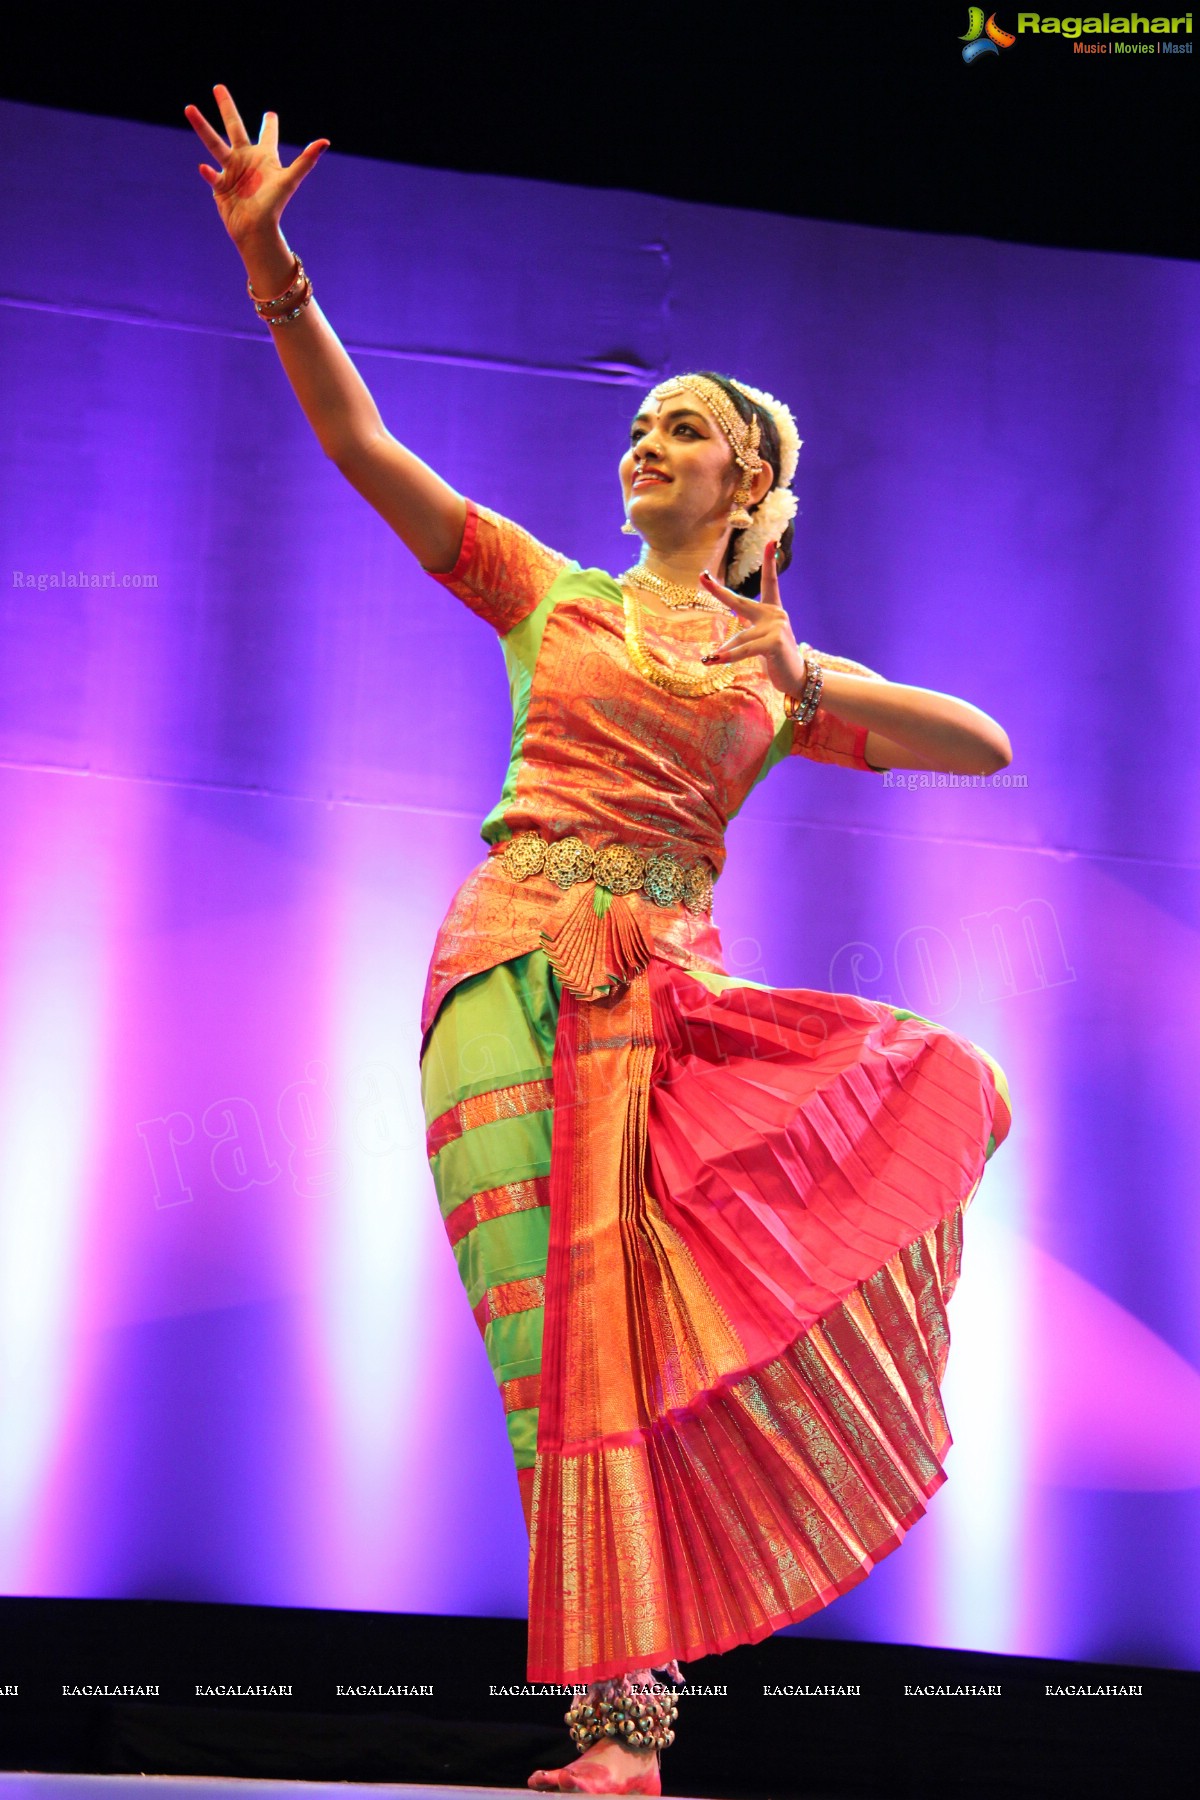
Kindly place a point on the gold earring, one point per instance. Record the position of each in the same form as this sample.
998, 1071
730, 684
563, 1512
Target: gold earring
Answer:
739, 518
629, 529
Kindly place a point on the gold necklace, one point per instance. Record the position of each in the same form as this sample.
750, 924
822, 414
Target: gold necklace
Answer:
690, 680
672, 593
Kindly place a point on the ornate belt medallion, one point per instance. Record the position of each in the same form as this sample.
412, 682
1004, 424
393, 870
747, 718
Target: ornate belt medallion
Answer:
662, 877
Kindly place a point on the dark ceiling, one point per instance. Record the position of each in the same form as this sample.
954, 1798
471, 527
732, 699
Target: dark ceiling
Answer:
837, 111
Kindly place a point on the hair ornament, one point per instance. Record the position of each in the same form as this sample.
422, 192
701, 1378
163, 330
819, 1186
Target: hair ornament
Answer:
743, 434
785, 425
769, 520
773, 514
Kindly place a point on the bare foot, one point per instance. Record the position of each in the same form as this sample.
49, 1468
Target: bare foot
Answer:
607, 1768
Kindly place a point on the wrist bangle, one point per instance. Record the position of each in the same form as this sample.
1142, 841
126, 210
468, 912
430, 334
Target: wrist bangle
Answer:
300, 290
288, 317
802, 706
289, 292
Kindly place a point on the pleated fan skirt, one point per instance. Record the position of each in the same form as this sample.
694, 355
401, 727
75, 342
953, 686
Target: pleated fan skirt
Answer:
709, 1231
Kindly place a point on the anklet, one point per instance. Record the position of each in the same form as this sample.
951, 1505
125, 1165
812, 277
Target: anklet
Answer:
641, 1718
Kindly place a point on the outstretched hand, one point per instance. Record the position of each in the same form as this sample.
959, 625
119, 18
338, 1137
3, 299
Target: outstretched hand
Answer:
251, 187
767, 631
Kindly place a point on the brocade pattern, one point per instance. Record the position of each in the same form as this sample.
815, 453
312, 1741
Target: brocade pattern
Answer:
708, 1230
603, 755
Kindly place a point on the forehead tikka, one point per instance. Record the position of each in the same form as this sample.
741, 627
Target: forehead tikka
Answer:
743, 438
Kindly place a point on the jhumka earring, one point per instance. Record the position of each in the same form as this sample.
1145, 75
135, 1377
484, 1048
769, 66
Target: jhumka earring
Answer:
739, 518
629, 529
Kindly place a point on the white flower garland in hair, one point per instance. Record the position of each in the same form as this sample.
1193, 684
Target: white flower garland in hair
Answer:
775, 512
771, 518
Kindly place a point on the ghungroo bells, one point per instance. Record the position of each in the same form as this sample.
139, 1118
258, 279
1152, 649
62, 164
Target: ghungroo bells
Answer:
640, 1717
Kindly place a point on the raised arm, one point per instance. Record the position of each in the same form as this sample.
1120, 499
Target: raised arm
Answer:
251, 189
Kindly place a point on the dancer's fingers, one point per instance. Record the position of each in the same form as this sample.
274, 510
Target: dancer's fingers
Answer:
744, 607
307, 160
770, 576
239, 137
754, 641
213, 142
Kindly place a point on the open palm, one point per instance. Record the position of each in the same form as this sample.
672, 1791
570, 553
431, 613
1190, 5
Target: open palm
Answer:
251, 187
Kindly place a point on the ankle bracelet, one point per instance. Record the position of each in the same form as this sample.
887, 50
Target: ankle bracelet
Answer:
637, 1716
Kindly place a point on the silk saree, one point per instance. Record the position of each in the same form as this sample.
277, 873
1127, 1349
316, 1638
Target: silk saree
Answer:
708, 1228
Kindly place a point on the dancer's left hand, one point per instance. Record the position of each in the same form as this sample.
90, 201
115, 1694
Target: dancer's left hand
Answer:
767, 631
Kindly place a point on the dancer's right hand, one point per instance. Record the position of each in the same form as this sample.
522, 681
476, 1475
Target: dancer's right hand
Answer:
251, 187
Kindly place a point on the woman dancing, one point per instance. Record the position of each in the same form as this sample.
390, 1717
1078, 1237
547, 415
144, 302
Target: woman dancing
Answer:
708, 1228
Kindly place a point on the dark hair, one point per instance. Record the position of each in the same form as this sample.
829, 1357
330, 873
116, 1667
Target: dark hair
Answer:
769, 450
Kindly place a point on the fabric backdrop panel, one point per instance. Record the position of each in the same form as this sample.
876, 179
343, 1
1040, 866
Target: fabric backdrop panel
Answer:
575, 285
245, 748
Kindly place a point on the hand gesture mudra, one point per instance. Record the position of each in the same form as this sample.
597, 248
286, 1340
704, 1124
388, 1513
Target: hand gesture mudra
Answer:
767, 631
251, 187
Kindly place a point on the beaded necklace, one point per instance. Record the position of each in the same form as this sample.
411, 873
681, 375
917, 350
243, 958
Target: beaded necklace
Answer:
672, 593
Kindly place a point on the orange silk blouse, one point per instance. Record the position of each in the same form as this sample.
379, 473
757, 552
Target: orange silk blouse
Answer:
601, 753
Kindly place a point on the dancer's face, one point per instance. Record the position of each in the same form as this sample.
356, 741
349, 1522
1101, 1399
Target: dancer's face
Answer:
678, 475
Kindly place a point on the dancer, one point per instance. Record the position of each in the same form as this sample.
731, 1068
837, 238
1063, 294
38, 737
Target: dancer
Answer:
708, 1228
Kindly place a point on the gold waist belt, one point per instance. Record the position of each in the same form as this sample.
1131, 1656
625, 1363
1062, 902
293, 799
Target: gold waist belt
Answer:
660, 875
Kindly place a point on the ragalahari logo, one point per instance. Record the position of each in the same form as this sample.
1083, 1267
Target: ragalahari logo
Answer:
983, 39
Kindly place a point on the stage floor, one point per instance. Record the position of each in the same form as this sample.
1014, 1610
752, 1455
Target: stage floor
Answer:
199, 1787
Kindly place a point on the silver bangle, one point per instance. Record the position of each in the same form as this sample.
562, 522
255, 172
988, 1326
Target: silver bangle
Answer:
287, 318
802, 706
289, 293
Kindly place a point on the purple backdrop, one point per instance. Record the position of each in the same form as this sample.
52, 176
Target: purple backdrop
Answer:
240, 782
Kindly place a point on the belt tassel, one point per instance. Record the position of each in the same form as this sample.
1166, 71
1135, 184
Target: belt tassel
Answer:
599, 945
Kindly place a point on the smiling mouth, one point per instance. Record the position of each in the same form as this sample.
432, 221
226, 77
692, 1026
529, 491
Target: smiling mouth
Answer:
649, 477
